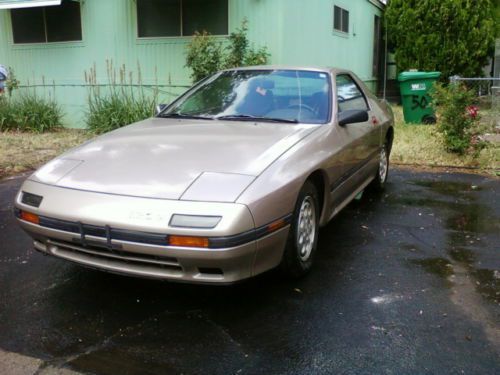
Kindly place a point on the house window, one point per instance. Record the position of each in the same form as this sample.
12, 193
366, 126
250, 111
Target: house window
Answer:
340, 19
60, 23
167, 18
377, 39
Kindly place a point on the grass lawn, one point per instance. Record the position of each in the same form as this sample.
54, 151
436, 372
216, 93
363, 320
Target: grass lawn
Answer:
421, 145
20, 152
414, 145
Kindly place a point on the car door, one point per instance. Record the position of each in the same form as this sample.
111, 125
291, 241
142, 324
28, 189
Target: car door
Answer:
360, 140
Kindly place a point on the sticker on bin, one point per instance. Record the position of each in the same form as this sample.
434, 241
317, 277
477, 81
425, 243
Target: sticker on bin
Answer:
417, 86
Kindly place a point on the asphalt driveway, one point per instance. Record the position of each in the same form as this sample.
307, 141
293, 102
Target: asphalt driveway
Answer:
406, 282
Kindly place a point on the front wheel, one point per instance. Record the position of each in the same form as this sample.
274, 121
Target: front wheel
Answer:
383, 168
303, 236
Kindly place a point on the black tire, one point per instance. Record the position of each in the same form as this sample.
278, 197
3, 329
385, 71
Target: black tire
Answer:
429, 120
298, 259
380, 179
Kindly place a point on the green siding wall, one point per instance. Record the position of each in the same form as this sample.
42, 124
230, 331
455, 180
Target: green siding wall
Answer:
297, 32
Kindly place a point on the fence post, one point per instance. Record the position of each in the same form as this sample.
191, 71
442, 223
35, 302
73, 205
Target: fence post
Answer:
454, 79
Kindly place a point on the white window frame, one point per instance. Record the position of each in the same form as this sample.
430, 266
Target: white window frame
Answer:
181, 26
45, 29
341, 21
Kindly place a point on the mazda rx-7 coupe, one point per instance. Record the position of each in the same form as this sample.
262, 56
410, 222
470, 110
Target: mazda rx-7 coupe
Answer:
232, 179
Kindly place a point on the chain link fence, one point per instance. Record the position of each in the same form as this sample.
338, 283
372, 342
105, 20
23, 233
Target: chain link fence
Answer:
487, 91
73, 98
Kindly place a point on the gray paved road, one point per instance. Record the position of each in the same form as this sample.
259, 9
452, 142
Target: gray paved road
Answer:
407, 282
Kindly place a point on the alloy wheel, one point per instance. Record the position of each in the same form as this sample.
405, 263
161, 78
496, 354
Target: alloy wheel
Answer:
306, 228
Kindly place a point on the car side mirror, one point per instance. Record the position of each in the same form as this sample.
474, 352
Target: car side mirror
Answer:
352, 116
160, 108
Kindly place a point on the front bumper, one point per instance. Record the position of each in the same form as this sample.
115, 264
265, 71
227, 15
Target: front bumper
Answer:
124, 250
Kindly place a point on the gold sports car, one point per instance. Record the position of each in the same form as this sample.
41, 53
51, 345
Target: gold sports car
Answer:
232, 179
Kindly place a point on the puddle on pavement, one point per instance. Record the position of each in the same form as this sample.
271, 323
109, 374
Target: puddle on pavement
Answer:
447, 187
415, 201
452, 189
410, 247
465, 224
485, 281
463, 256
489, 284
437, 266
469, 288
474, 218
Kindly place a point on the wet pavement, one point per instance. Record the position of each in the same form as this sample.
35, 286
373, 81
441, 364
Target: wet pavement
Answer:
405, 282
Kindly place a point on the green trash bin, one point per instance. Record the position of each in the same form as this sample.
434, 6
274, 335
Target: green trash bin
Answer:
415, 88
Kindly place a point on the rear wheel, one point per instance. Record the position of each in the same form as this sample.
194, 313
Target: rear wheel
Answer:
383, 168
303, 236
429, 119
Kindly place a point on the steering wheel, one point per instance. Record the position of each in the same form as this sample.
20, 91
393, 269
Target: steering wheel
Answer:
301, 107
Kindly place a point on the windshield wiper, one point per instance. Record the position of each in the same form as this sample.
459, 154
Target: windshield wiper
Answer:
186, 116
256, 118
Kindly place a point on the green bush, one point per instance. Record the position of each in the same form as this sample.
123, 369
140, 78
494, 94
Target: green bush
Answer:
450, 36
6, 115
453, 105
118, 108
204, 56
12, 82
29, 112
207, 54
239, 52
115, 105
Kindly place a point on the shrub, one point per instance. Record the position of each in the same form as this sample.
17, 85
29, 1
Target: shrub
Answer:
204, 56
240, 53
12, 82
457, 117
6, 114
29, 112
450, 36
119, 108
207, 54
117, 104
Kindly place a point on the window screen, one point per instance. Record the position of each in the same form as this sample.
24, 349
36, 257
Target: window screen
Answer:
200, 15
63, 22
47, 24
340, 19
164, 18
157, 18
28, 25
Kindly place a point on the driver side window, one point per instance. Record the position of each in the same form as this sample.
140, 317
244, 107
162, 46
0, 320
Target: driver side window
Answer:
349, 95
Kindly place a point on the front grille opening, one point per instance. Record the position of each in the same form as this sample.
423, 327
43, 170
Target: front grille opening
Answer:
138, 262
210, 271
116, 249
120, 255
31, 199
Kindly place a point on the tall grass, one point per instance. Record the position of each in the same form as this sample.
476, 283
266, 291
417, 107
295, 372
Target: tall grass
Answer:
119, 102
29, 112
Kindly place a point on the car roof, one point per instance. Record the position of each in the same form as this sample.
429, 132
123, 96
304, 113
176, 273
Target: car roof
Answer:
288, 67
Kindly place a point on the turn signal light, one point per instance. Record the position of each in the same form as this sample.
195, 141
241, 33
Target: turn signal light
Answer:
29, 217
278, 224
186, 241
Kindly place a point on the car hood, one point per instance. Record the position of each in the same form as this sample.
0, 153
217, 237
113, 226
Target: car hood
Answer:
174, 159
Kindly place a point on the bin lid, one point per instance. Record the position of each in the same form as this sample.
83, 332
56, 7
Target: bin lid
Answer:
407, 76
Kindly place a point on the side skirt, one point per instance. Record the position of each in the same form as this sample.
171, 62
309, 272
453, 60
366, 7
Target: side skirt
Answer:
351, 197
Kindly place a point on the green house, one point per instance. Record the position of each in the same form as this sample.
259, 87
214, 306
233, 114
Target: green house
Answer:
50, 44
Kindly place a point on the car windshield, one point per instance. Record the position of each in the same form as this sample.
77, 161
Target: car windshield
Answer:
292, 96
